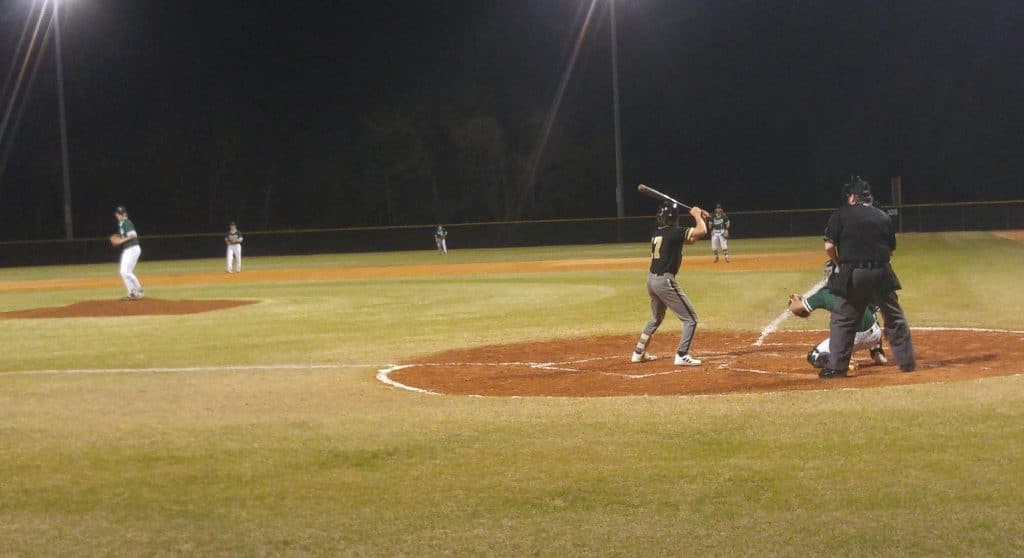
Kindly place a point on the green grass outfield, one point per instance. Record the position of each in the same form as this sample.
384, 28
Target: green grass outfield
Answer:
324, 460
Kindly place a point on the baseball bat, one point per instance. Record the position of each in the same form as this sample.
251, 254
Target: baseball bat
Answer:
648, 191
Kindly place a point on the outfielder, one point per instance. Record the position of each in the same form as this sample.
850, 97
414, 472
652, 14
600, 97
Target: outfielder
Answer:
666, 256
868, 336
720, 233
128, 240
233, 240
441, 240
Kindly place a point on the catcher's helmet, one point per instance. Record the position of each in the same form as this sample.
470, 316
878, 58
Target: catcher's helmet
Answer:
857, 186
668, 214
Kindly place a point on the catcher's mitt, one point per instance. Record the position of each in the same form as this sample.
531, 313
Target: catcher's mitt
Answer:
115, 240
796, 305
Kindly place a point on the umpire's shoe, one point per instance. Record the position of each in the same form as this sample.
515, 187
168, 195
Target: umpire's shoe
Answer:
832, 373
908, 367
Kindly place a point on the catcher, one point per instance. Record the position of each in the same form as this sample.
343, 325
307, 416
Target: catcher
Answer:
869, 335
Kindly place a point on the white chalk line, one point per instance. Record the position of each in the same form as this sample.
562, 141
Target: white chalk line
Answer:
180, 369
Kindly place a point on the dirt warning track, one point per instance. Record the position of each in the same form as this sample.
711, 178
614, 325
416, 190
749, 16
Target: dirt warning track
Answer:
599, 366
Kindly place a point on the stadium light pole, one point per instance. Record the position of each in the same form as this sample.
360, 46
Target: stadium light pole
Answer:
619, 201
68, 231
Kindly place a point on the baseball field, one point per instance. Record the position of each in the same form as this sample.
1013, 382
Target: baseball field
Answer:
482, 404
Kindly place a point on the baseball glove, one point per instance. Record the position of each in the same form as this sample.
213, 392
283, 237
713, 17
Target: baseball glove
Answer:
115, 240
725, 233
796, 305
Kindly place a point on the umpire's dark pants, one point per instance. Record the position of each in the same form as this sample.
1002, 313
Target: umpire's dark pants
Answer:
863, 290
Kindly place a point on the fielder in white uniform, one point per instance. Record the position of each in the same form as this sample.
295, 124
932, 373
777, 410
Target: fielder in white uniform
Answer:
719, 233
128, 241
441, 240
233, 240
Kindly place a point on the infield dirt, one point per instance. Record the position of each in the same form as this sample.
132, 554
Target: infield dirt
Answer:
599, 366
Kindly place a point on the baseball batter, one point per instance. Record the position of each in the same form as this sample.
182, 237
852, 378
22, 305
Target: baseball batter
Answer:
868, 336
666, 256
127, 239
233, 240
441, 240
720, 233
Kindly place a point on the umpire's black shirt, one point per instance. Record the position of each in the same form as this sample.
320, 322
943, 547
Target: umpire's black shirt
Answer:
861, 233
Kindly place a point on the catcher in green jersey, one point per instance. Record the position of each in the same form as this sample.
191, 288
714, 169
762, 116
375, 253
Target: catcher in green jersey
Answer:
868, 336
719, 232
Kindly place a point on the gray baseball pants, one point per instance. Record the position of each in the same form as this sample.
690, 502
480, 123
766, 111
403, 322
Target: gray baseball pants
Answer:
849, 309
665, 293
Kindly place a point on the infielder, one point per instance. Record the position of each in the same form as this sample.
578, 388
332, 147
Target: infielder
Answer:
128, 240
233, 240
868, 336
441, 240
720, 233
666, 257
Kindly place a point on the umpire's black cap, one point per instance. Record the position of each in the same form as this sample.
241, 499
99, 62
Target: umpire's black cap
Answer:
857, 186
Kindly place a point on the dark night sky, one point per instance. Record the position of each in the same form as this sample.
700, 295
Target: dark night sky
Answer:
187, 111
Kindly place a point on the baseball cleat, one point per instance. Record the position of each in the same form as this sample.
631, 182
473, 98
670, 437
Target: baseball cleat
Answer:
642, 357
686, 360
828, 373
908, 367
127, 298
878, 356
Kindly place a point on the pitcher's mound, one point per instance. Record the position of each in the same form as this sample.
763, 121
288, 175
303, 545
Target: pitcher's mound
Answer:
114, 308
599, 366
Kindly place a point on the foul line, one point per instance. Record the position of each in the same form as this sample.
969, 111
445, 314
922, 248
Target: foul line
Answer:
166, 370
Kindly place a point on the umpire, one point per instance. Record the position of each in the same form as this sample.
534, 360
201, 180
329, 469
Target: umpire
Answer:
860, 239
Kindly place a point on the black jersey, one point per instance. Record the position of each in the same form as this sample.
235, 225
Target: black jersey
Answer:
861, 233
667, 248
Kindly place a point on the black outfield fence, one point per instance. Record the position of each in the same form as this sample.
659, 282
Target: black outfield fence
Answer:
993, 215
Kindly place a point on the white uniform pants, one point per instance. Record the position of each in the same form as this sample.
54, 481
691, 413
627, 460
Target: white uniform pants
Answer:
234, 252
863, 340
130, 257
719, 242
442, 245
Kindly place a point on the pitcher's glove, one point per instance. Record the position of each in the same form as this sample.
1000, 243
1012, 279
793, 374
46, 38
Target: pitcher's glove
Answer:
115, 240
796, 305
725, 233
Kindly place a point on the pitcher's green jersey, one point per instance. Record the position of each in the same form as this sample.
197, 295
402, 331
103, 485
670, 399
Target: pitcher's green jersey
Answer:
824, 298
234, 237
719, 222
124, 228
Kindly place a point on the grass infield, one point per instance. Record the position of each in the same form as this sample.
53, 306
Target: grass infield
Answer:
321, 459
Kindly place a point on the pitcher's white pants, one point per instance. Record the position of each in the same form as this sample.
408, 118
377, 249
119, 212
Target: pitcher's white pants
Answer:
234, 251
719, 242
130, 257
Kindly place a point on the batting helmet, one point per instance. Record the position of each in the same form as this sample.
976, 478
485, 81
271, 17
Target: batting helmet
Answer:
668, 214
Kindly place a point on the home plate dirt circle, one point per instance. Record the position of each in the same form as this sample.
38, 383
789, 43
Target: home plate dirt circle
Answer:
600, 367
